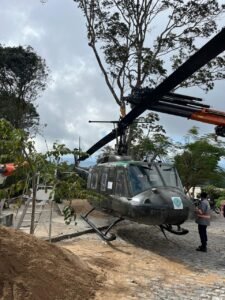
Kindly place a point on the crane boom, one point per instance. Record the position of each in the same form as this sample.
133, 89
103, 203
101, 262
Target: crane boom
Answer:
182, 106
209, 116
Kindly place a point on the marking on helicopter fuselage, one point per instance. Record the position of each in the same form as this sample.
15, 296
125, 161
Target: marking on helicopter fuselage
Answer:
177, 203
110, 184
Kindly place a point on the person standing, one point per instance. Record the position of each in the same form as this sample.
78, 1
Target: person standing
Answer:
203, 220
6, 170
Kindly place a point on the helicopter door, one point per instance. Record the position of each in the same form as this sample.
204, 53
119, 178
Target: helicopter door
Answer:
121, 192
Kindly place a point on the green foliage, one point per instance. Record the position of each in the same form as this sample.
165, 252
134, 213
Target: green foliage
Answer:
69, 214
148, 138
12, 188
212, 191
19, 113
70, 187
10, 142
218, 195
16, 147
23, 76
198, 163
107, 150
220, 200
58, 150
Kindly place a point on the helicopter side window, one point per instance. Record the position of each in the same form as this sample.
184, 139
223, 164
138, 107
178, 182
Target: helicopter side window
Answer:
94, 181
103, 183
121, 188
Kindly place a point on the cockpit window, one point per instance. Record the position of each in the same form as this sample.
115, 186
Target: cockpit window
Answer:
170, 176
143, 178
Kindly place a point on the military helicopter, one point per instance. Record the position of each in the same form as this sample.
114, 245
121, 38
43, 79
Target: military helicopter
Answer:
150, 192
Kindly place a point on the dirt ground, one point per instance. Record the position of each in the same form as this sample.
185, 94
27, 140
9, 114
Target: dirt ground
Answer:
139, 264
31, 269
128, 271
142, 264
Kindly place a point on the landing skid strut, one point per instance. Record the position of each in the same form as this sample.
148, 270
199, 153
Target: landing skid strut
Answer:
168, 227
103, 235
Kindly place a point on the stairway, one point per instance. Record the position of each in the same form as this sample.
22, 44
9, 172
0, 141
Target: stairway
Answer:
23, 217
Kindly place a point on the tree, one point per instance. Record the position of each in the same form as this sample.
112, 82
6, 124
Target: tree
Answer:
17, 147
106, 151
129, 53
19, 113
148, 138
198, 163
214, 192
23, 75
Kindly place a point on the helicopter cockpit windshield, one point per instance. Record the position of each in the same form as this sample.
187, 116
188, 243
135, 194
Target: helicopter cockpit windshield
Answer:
142, 178
170, 176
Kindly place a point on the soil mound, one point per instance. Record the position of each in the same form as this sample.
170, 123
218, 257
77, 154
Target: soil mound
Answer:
31, 269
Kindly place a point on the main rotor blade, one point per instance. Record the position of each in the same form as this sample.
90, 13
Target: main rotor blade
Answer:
101, 143
209, 51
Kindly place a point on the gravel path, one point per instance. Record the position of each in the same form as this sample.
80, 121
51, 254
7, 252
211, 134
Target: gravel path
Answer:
142, 264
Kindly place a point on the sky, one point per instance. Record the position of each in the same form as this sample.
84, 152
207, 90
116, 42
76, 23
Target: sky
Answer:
76, 91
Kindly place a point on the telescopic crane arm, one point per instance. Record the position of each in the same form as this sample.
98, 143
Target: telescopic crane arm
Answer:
212, 117
183, 106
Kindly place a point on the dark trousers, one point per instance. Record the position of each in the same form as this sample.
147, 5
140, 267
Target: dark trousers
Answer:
202, 229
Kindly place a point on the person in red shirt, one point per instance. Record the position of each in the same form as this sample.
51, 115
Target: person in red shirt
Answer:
7, 169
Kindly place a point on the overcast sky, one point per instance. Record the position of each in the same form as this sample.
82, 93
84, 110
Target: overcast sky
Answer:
76, 91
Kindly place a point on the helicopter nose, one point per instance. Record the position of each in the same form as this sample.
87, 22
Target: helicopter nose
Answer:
161, 205
166, 205
178, 205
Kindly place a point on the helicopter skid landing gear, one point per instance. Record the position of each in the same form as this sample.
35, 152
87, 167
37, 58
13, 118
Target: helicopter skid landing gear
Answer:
103, 235
178, 231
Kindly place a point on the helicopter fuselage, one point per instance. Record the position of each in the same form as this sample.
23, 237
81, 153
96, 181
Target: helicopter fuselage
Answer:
147, 194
